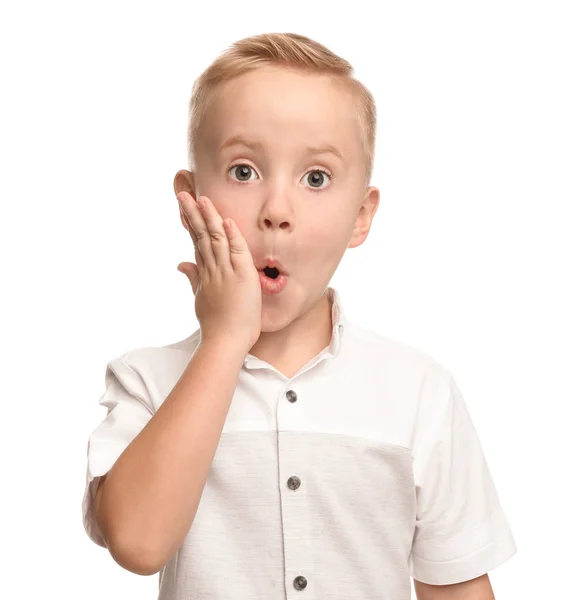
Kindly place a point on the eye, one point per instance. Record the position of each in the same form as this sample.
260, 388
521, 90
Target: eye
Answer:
316, 178
242, 170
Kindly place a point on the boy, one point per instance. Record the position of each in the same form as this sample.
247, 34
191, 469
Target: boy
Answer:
282, 451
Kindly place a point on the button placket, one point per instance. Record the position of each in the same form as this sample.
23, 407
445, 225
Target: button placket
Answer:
296, 515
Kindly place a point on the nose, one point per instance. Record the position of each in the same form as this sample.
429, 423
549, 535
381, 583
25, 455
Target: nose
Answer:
276, 214
276, 222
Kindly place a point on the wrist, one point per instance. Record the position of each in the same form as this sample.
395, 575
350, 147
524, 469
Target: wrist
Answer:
225, 348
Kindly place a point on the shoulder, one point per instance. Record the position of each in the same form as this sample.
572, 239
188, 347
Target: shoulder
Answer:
390, 355
418, 390
148, 357
150, 372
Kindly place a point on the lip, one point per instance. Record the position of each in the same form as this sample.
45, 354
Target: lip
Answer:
271, 287
273, 263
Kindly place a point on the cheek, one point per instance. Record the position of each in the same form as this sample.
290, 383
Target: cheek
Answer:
225, 207
233, 210
330, 229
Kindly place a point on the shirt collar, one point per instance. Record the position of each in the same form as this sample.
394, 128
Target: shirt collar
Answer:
339, 322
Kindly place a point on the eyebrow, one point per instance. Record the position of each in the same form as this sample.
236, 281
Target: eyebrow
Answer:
239, 139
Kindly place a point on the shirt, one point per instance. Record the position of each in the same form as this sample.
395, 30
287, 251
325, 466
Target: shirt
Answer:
346, 480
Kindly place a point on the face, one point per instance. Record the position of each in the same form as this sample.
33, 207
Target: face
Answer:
256, 161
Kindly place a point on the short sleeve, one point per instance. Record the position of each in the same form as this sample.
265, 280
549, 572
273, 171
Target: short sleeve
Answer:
461, 530
128, 410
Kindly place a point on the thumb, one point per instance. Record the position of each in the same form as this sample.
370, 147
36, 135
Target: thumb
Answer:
192, 273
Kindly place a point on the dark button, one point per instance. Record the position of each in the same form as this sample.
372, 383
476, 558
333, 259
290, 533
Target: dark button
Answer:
300, 582
294, 482
291, 395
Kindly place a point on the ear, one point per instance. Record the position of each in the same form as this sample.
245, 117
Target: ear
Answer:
184, 181
367, 210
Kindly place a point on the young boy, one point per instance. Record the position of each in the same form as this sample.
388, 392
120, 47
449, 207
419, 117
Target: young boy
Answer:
282, 451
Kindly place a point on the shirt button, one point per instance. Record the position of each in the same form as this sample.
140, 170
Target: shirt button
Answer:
291, 396
294, 482
300, 582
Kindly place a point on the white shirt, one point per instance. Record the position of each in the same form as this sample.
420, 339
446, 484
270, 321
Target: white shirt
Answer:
361, 471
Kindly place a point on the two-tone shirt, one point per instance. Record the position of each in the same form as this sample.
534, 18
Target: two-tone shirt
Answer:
360, 472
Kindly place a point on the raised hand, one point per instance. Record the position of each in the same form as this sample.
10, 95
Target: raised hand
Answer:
225, 281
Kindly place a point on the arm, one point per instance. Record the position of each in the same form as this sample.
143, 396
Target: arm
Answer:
474, 589
145, 506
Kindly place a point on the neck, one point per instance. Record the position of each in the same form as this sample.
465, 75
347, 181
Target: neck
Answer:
291, 347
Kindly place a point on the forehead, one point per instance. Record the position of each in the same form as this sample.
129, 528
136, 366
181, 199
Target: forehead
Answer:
284, 107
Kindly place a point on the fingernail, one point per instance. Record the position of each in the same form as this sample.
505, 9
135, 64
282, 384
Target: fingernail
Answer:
201, 202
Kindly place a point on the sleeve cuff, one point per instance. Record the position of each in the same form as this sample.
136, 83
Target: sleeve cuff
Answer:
467, 565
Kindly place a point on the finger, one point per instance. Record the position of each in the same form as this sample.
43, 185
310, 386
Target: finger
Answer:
239, 253
185, 221
198, 256
201, 240
219, 242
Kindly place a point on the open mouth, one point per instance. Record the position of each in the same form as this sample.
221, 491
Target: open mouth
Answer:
272, 279
271, 272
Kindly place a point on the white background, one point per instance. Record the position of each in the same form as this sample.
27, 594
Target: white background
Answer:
475, 254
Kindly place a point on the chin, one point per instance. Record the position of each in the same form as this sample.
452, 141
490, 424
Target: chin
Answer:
274, 321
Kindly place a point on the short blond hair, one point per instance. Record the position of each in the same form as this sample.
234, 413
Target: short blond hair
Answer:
289, 50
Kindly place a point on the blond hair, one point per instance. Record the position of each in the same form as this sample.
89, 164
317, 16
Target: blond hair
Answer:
288, 50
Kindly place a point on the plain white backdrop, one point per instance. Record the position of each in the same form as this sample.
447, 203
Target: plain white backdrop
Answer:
475, 255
